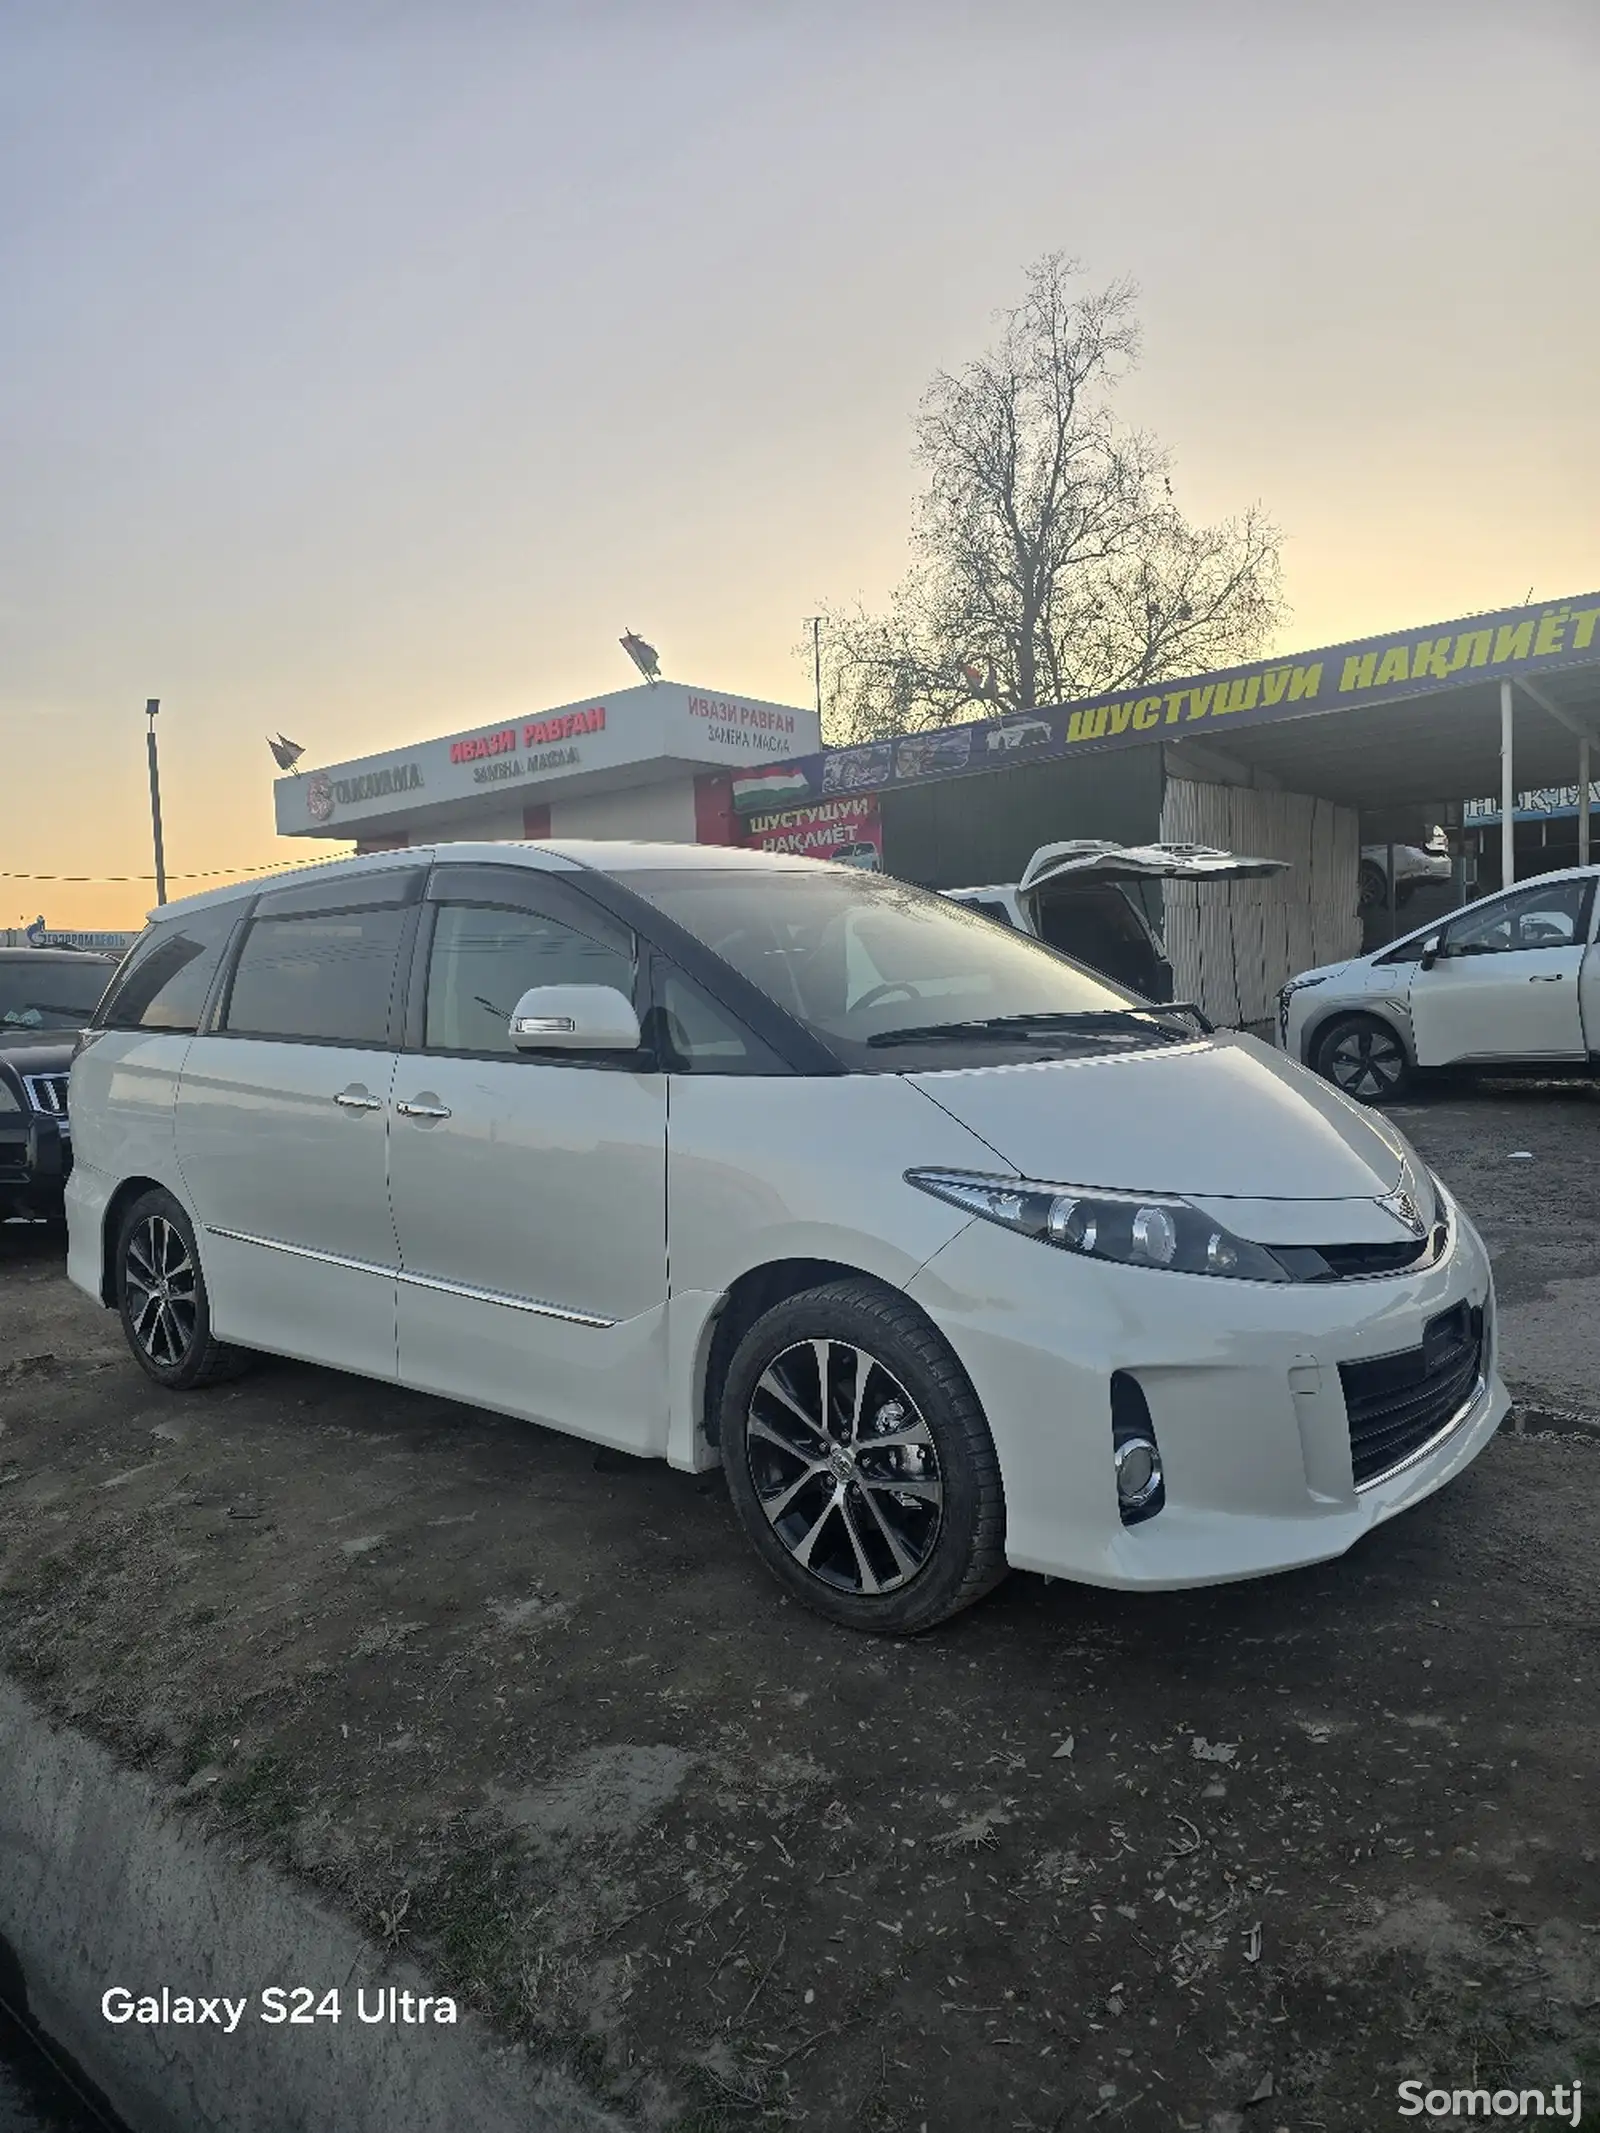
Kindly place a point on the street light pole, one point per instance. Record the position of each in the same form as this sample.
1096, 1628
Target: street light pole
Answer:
152, 706
814, 624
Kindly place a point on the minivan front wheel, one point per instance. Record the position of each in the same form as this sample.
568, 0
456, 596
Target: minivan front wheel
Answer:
161, 1295
860, 1463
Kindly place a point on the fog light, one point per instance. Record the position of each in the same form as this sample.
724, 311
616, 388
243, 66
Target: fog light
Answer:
1136, 1457
1138, 1472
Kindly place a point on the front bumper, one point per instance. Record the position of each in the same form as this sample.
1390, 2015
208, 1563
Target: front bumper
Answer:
1295, 1004
1242, 1381
35, 1162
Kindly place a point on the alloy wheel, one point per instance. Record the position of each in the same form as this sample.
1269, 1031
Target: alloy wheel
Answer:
162, 1291
1367, 1063
844, 1466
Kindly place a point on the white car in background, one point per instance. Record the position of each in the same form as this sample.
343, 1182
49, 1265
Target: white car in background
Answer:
953, 1255
1082, 897
1510, 984
1414, 866
1020, 733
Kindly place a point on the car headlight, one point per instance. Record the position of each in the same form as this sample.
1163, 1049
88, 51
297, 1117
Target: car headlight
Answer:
1128, 1228
1294, 985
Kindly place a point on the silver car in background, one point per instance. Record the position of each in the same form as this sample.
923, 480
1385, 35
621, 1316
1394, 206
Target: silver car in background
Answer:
1415, 865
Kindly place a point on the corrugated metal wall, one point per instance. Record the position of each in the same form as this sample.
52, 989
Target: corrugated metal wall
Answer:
1233, 944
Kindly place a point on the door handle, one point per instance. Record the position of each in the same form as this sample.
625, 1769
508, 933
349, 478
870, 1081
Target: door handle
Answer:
423, 1110
358, 1100
1547, 977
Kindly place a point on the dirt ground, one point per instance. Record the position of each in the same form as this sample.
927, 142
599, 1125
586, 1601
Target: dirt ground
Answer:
1239, 1859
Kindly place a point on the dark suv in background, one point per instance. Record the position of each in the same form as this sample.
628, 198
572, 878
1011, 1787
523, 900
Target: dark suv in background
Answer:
46, 997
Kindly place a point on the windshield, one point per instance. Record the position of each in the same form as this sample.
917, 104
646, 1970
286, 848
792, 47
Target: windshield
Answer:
886, 974
50, 994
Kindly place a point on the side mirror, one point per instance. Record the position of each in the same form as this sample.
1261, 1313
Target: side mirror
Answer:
1431, 950
574, 1018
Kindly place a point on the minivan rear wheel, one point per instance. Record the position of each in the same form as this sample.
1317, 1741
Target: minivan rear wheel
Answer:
860, 1463
161, 1295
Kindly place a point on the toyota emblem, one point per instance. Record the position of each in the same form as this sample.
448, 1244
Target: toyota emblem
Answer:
1405, 1209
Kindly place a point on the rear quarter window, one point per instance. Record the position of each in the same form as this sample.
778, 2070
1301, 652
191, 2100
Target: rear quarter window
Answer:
164, 982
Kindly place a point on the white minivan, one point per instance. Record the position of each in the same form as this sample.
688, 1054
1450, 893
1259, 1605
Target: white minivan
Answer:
953, 1254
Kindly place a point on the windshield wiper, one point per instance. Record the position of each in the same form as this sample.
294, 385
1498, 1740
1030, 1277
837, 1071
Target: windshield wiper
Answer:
1091, 1022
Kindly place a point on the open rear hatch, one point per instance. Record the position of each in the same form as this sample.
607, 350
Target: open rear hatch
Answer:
1091, 859
1080, 898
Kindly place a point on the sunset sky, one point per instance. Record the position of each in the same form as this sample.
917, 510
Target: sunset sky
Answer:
367, 369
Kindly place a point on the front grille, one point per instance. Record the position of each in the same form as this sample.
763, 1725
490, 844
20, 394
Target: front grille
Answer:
47, 1093
1349, 1262
1362, 1262
1396, 1403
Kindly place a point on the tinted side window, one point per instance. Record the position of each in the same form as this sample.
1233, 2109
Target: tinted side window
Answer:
165, 980
327, 978
482, 961
1555, 915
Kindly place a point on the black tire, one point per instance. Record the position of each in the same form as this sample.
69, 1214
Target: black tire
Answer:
161, 1296
1363, 1057
888, 1537
1372, 886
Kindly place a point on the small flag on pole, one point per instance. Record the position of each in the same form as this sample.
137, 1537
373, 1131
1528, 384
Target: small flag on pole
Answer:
643, 655
285, 753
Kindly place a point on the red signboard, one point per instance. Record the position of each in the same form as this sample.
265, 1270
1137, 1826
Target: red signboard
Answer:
536, 733
847, 828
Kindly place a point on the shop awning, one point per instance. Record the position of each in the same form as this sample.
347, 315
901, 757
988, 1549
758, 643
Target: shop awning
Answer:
1445, 746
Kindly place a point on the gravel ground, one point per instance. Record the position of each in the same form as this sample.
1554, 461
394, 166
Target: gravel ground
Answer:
1244, 1858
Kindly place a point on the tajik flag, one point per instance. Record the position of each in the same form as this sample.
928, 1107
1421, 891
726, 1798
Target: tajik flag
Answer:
770, 788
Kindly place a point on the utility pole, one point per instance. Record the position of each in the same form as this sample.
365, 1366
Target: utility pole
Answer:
814, 624
152, 706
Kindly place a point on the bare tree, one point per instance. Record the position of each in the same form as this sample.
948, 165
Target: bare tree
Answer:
1049, 559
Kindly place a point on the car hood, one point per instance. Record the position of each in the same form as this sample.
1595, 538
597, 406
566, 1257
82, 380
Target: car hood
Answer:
1223, 1119
30, 1053
1324, 971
